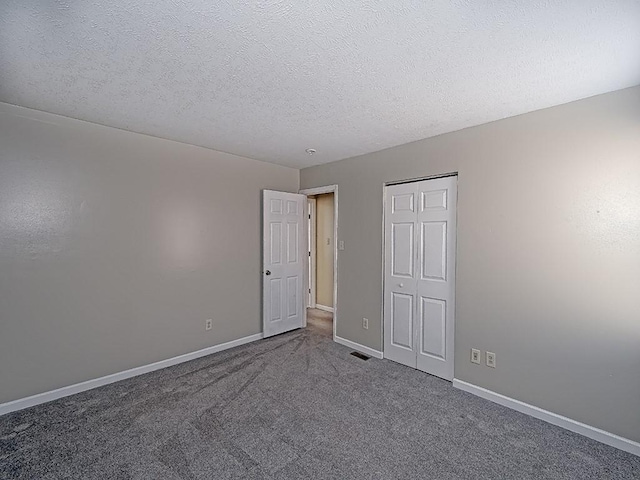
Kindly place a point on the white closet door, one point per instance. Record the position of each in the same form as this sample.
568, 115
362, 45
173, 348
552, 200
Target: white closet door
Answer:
400, 273
435, 299
419, 298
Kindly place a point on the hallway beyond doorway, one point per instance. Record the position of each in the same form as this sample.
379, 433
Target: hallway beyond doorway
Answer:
320, 322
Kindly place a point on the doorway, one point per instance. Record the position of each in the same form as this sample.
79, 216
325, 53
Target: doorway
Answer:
321, 268
419, 274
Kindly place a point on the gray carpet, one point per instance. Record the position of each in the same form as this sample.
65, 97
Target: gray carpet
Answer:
293, 406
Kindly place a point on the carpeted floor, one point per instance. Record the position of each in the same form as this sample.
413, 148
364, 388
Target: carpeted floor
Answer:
293, 406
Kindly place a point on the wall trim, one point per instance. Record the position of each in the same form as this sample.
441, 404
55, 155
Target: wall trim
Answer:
324, 307
594, 433
360, 348
310, 278
51, 395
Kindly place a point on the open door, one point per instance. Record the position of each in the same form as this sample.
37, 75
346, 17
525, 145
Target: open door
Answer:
283, 268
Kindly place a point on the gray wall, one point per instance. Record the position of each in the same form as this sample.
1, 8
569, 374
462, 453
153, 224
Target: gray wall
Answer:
116, 247
548, 254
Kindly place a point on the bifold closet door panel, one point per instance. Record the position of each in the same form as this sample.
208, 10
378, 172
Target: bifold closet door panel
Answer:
435, 295
400, 286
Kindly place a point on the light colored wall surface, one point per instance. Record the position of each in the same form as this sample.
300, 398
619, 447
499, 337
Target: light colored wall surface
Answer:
116, 247
548, 256
324, 249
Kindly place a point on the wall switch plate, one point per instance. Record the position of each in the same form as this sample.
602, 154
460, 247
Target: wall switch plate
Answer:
365, 323
208, 324
475, 356
341, 245
491, 359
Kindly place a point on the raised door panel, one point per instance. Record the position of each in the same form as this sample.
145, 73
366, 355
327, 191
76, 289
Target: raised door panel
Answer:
403, 202
275, 206
275, 234
433, 252
275, 289
402, 252
402, 320
293, 242
433, 321
293, 307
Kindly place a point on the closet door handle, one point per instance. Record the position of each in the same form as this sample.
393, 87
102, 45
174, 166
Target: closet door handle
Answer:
401, 285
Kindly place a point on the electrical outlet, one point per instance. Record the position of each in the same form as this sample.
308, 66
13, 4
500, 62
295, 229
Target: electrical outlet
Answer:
491, 359
475, 356
341, 245
365, 323
208, 324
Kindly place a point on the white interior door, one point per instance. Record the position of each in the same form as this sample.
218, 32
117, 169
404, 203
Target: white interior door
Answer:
283, 267
420, 236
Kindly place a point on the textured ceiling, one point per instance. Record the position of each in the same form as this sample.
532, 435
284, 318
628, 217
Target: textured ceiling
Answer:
268, 79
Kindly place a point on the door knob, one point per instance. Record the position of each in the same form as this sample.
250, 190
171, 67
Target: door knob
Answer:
401, 285
268, 272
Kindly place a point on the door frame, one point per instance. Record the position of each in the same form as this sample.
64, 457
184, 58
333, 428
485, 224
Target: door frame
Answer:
311, 242
384, 249
318, 191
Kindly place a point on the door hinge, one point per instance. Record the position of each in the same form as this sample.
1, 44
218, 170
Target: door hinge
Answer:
309, 216
309, 290
309, 253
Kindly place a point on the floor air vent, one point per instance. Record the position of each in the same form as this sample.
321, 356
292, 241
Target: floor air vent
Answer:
361, 356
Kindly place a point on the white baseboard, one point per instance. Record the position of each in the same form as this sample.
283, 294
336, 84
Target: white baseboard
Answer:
116, 377
356, 346
594, 433
322, 307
